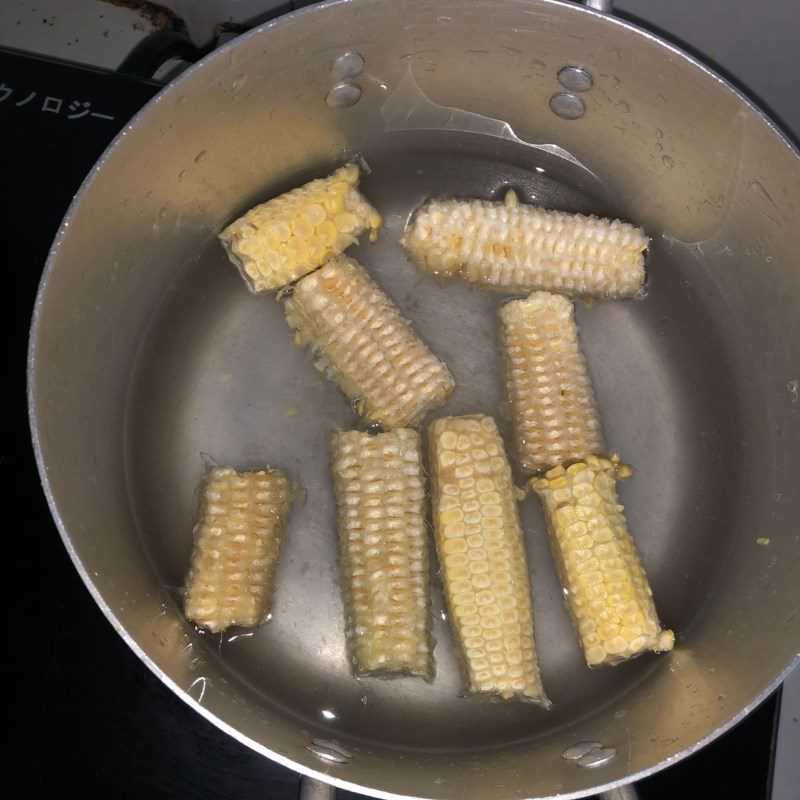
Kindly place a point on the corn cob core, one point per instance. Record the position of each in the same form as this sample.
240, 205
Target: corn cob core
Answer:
363, 343
237, 540
608, 593
520, 248
380, 497
550, 395
482, 557
279, 241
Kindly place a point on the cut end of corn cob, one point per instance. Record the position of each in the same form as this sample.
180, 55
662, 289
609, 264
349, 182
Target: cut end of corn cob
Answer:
361, 341
549, 391
609, 597
287, 237
511, 247
482, 556
237, 540
380, 498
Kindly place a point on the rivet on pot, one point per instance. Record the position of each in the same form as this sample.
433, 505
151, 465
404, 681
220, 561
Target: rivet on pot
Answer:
329, 750
347, 66
597, 757
567, 106
579, 750
343, 95
575, 79
589, 754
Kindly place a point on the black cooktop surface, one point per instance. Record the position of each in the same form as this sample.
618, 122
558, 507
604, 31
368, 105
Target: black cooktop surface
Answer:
94, 719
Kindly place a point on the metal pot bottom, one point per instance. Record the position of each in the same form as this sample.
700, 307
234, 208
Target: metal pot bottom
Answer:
220, 380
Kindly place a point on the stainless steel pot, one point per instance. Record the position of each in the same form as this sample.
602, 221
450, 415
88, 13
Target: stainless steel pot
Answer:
148, 358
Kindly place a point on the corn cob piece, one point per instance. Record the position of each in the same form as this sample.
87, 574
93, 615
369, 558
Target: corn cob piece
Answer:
482, 557
363, 343
287, 237
520, 248
609, 597
237, 540
380, 497
550, 395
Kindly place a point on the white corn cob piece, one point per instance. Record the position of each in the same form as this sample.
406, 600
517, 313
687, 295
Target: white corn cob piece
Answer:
278, 241
380, 498
550, 395
363, 343
237, 540
518, 248
609, 597
482, 557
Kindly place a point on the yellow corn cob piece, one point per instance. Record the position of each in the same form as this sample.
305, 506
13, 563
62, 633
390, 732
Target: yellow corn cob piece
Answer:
550, 395
380, 497
278, 241
608, 593
237, 540
482, 557
363, 343
520, 248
